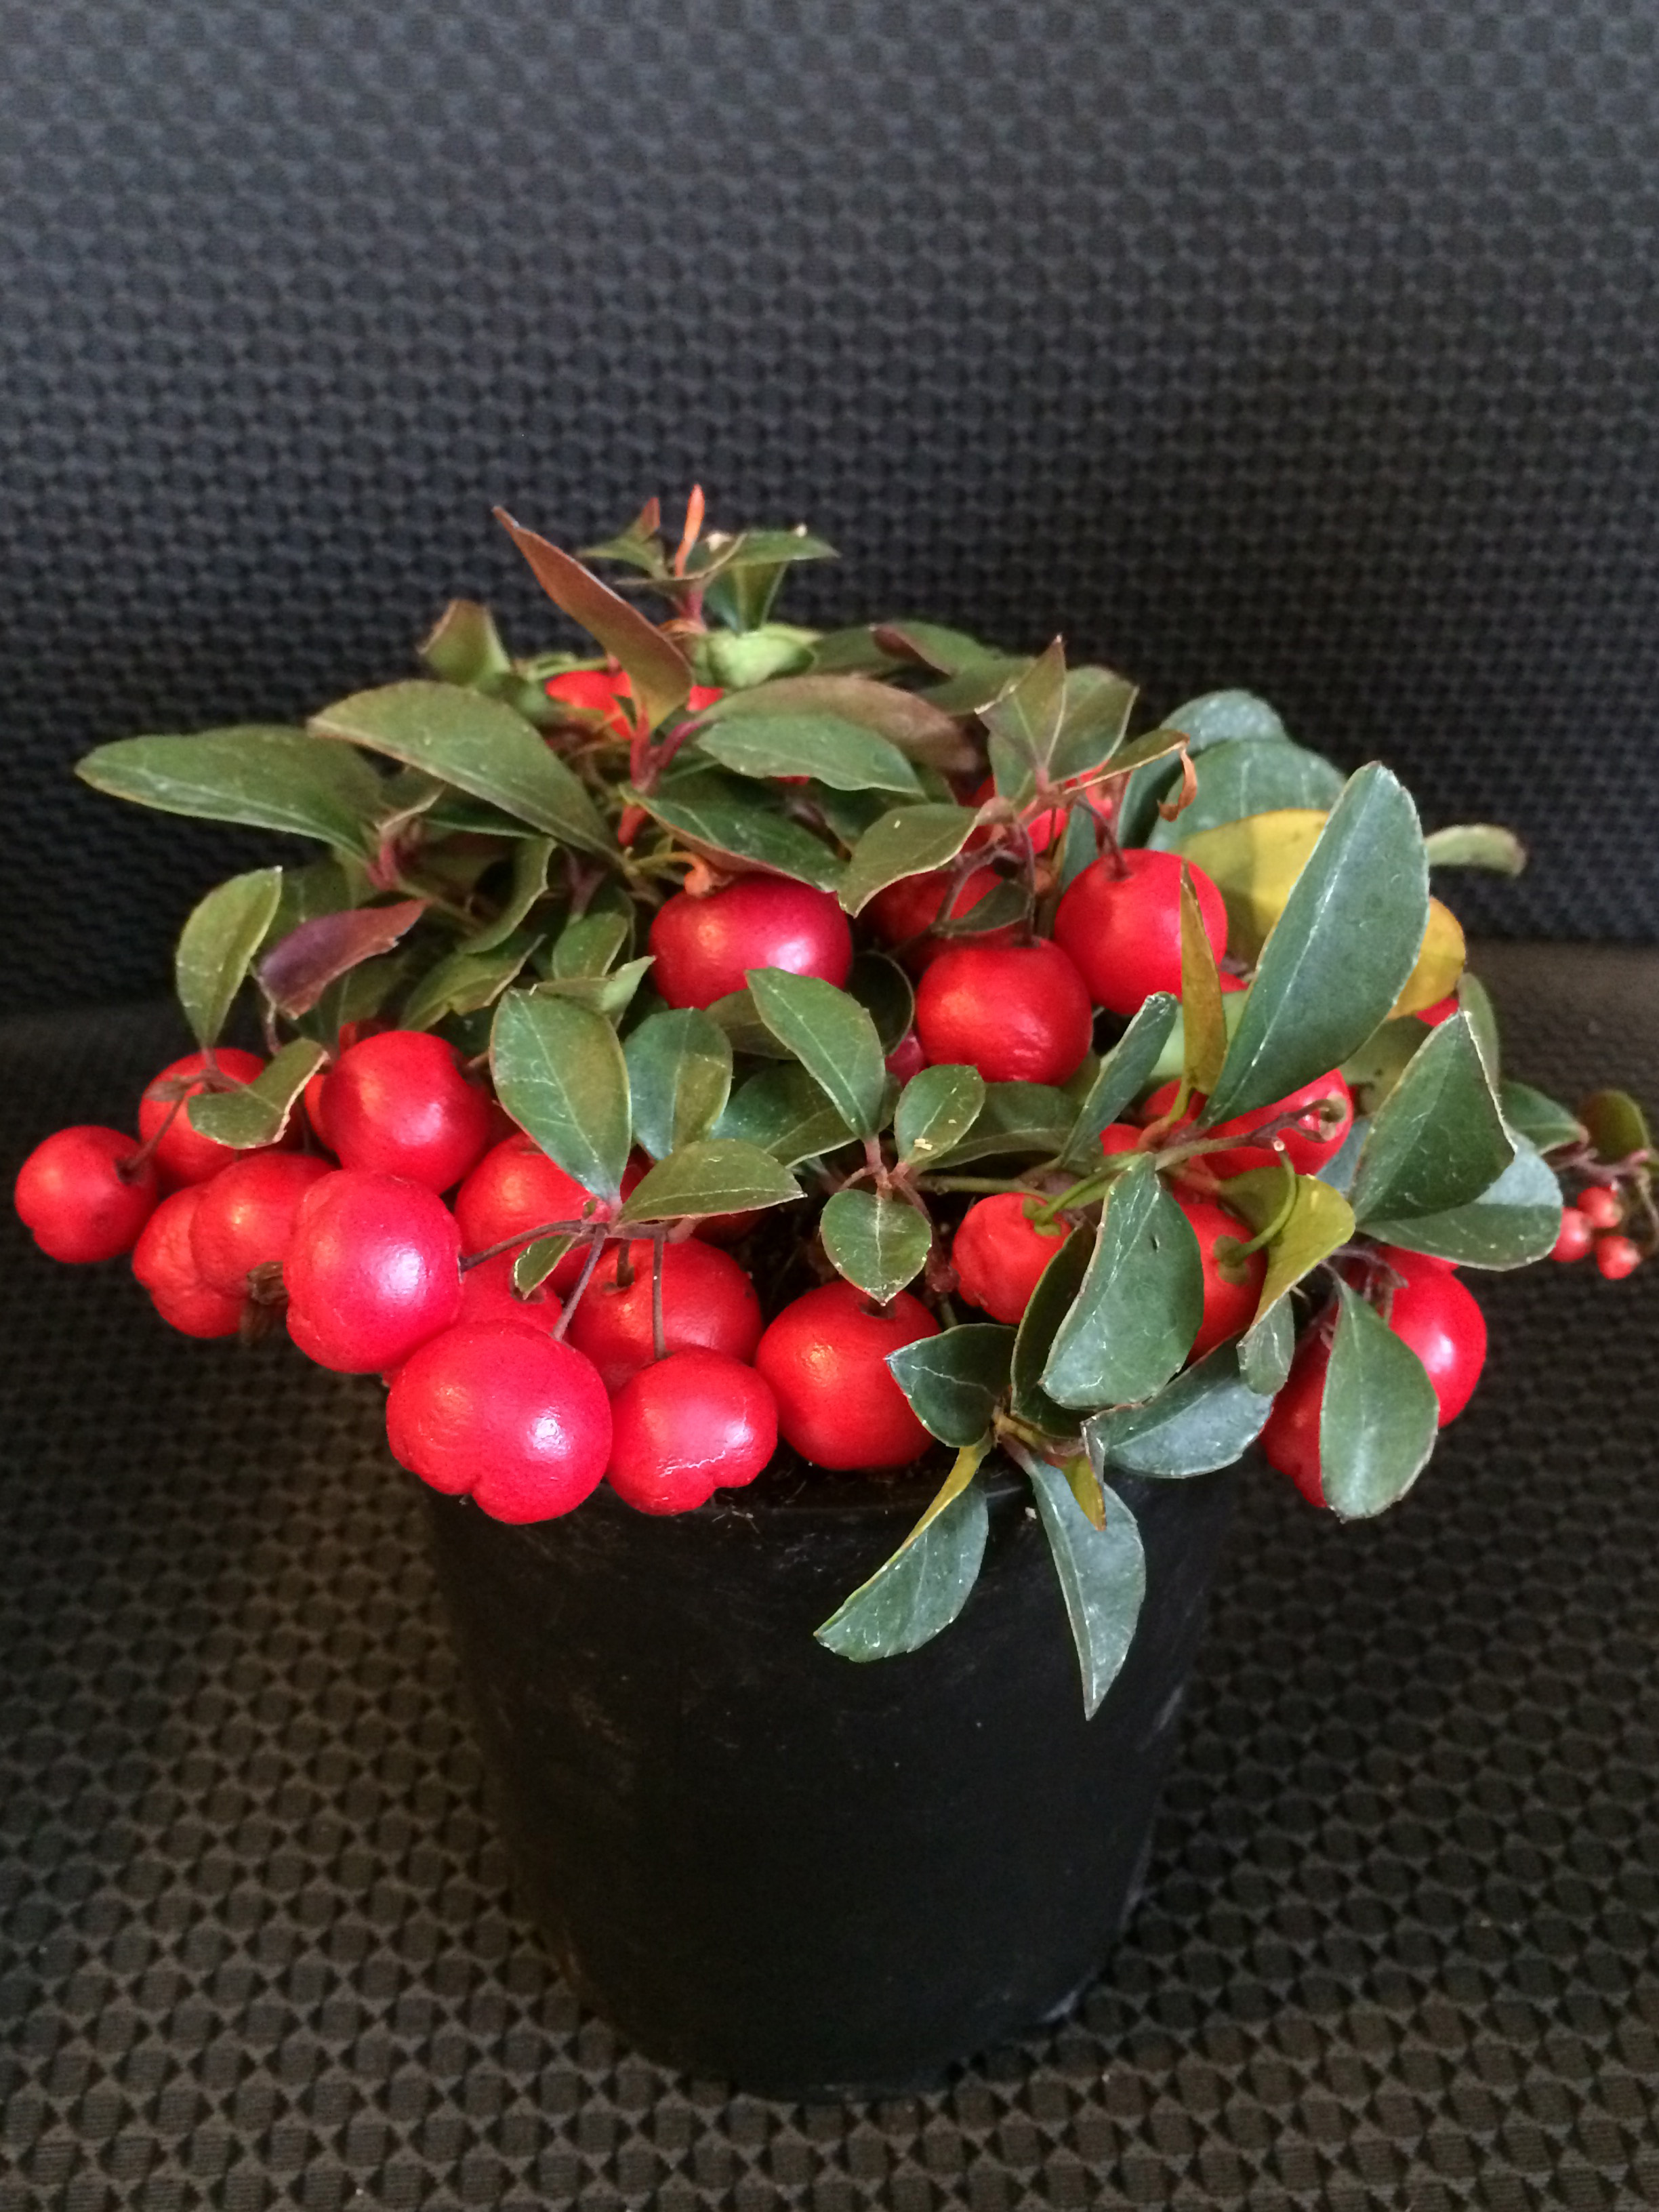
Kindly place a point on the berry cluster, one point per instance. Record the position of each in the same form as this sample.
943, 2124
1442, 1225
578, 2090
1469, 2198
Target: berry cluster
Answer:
858, 1040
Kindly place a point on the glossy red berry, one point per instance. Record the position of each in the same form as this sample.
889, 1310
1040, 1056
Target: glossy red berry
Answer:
1617, 1257
1000, 1253
1018, 1013
246, 1216
1437, 1315
400, 1104
593, 689
907, 1058
1577, 1236
516, 1186
1601, 1207
1306, 1148
825, 1357
503, 1415
1123, 931
1120, 1137
688, 1426
1231, 1292
488, 1295
902, 914
77, 1198
183, 1155
164, 1260
1290, 1439
708, 1304
373, 1271
1441, 1010
705, 947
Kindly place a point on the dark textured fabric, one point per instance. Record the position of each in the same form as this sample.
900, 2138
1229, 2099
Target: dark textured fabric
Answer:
1400, 1945
1306, 347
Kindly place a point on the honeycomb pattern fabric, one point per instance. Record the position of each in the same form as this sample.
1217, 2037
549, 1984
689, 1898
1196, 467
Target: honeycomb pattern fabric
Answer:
1300, 346
1400, 1945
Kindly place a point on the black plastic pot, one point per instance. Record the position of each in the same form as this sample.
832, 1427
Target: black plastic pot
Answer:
766, 1864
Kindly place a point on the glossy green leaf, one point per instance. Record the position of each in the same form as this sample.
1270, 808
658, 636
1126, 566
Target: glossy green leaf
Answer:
1098, 704
878, 1242
724, 815
529, 884
1221, 718
294, 974
480, 745
1539, 1118
1474, 1004
1617, 1126
1267, 1349
1173, 1058
886, 994
1024, 721
712, 1174
216, 947
1249, 778
735, 1016
261, 777
1134, 1321
926, 1583
1016, 1119
1052, 1300
1102, 1576
465, 982
738, 662
912, 725
560, 1073
679, 1071
1476, 845
1340, 952
782, 1110
659, 671
1439, 1140
1514, 1222
833, 1038
256, 1113
463, 646
908, 841
1374, 1068
1201, 1421
1204, 1028
1124, 1073
956, 1380
1379, 1416
936, 1110
835, 752
610, 995
536, 1262
588, 945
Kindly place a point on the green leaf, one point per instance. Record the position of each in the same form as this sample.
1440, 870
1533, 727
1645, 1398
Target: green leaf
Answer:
264, 778
1474, 1003
1267, 1349
1249, 778
835, 752
1017, 1118
833, 1038
536, 1262
1204, 1022
1617, 1126
465, 646
1220, 718
711, 1175
256, 1113
1052, 1300
1515, 1221
679, 1071
735, 1016
217, 944
658, 670
294, 974
926, 1583
1201, 1421
738, 663
609, 994
480, 745
956, 1380
908, 841
1374, 1068
1439, 1140
878, 1242
1340, 952
1476, 845
1102, 1576
1173, 1058
782, 1110
465, 982
722, 815
1320, 1220
1379, 1416
1098, 704
913, 725
936, 1110
529, 884
883, 990
1134, 1321
588, 945
560, 1073
1538, 1118
1025, 719
1124, 1074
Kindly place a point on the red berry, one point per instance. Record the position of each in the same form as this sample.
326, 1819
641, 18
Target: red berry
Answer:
1577, 1236
1043, 828
1617, 1257
1441, 1010
1120, 1137
1601, 1207
1000, 1253
487, 1294
1437, 1315
400, 1104
1290, 1439
373, 1271
184, 1156
705, 947
708, 1304
164, 1260
594, 688
312, 1099
76, 1199
913, 905
516, 1186
245, 1218
825, 1357
688, 1426
1018, 1013
1305, 1147
504, 1415
1229, 1305
907, 1058
1124, 931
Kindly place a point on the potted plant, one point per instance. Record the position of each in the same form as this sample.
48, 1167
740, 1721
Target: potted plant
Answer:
883, 1141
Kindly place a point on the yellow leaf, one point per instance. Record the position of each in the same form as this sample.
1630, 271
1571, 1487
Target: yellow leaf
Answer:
1439, 964
1252, 863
